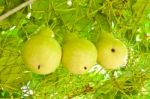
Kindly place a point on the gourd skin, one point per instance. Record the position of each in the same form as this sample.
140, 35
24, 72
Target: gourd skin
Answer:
46, 32
42, 54
79, 55
112, 53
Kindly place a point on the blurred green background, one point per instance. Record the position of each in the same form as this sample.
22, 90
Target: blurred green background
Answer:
127, 20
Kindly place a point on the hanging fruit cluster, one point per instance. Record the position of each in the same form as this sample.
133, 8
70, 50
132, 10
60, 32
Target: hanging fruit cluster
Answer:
42, 54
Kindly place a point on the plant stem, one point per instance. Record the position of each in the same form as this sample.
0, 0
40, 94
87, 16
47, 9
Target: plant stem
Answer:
7, 14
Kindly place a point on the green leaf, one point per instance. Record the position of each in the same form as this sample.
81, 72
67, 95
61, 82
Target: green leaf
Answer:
10, 4
1, 9
140, 5
40, 9
103, 22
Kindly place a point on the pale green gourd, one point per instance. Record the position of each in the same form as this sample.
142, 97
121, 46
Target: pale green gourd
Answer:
79, 55
112, 53
42, 53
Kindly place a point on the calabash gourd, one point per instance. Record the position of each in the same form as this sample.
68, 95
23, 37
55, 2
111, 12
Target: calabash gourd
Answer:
42, 53
112, 53
79, 55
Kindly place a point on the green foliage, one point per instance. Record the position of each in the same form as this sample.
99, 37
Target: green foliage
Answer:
127, 20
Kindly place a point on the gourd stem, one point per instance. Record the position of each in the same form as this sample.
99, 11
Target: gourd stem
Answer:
70, 36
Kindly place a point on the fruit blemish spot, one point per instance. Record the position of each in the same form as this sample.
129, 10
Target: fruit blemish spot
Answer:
85, 67
39, 66
112, 50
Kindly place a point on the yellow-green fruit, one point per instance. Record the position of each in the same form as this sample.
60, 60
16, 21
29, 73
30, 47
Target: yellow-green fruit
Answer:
79, 55
112, 53
41, 53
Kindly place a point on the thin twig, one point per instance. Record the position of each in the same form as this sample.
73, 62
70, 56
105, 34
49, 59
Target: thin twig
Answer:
7, 14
